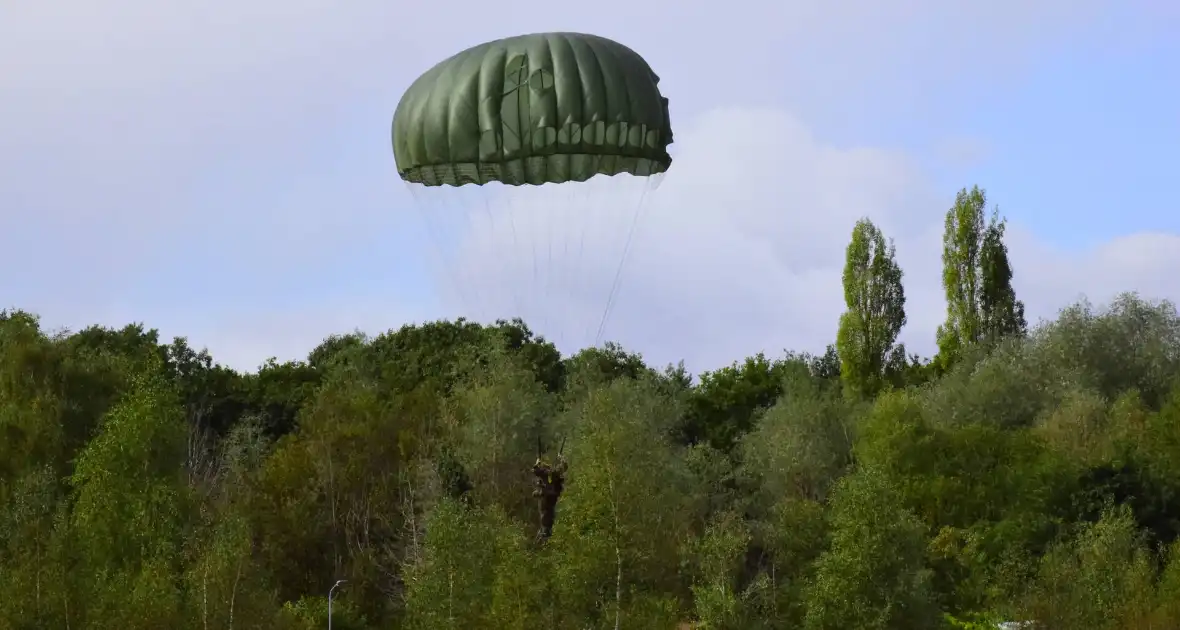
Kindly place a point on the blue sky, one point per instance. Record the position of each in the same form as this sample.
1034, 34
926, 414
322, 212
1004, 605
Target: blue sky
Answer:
1100, 133
222, 170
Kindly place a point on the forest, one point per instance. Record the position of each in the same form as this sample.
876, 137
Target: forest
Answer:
1024, 473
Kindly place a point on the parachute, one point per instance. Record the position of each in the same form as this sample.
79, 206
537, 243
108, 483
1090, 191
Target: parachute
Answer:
530, 159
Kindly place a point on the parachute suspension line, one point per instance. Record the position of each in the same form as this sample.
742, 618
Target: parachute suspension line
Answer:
511, 212
559, 279
487, 207
576, 218
470, 254
549, 211
597, 218
432, 234
577, 269
558, 290
471, 228
611, 225
536, 223
614, 289
461, 215
565, 274
584, 219
533, 233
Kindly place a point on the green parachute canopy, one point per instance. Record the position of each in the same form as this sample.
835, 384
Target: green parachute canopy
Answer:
533, 109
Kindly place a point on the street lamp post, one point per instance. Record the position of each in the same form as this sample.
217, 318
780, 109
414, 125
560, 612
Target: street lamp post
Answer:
330, 591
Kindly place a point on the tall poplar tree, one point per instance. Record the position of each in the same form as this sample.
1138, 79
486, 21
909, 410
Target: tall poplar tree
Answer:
977, 278
876, 309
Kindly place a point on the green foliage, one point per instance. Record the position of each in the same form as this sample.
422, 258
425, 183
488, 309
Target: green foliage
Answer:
311, 613
1128, 345
718, 556
1033, 477
498, 417
130, 510
1167, 594
875, 314
977, 278
1101, 579
973, 622
626, 512
1000, 313
801, 445
724, 403
874, 574
450, 584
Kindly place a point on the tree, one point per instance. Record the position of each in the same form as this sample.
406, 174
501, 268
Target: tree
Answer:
226, 583
130, 510
1101, 580
876, 309
825, 367
450, 585
799, 447
143, 485
625, 511
977, 278
725, 402
874, 575
499, 417
1000, 313
718, 555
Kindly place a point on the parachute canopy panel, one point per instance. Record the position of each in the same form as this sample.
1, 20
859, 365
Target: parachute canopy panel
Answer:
533, 109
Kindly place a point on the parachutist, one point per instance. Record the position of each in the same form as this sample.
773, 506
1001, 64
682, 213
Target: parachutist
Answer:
550, 483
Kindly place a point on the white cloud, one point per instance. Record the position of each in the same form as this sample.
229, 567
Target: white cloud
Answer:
1049, 278
741, 248
222, 170
245, 338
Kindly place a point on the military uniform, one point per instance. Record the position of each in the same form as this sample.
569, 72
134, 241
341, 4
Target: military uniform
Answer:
550, 483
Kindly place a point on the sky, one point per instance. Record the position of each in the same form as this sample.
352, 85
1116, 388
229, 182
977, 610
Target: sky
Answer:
222, 170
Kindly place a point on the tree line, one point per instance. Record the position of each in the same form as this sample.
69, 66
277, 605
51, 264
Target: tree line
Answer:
1019, 474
